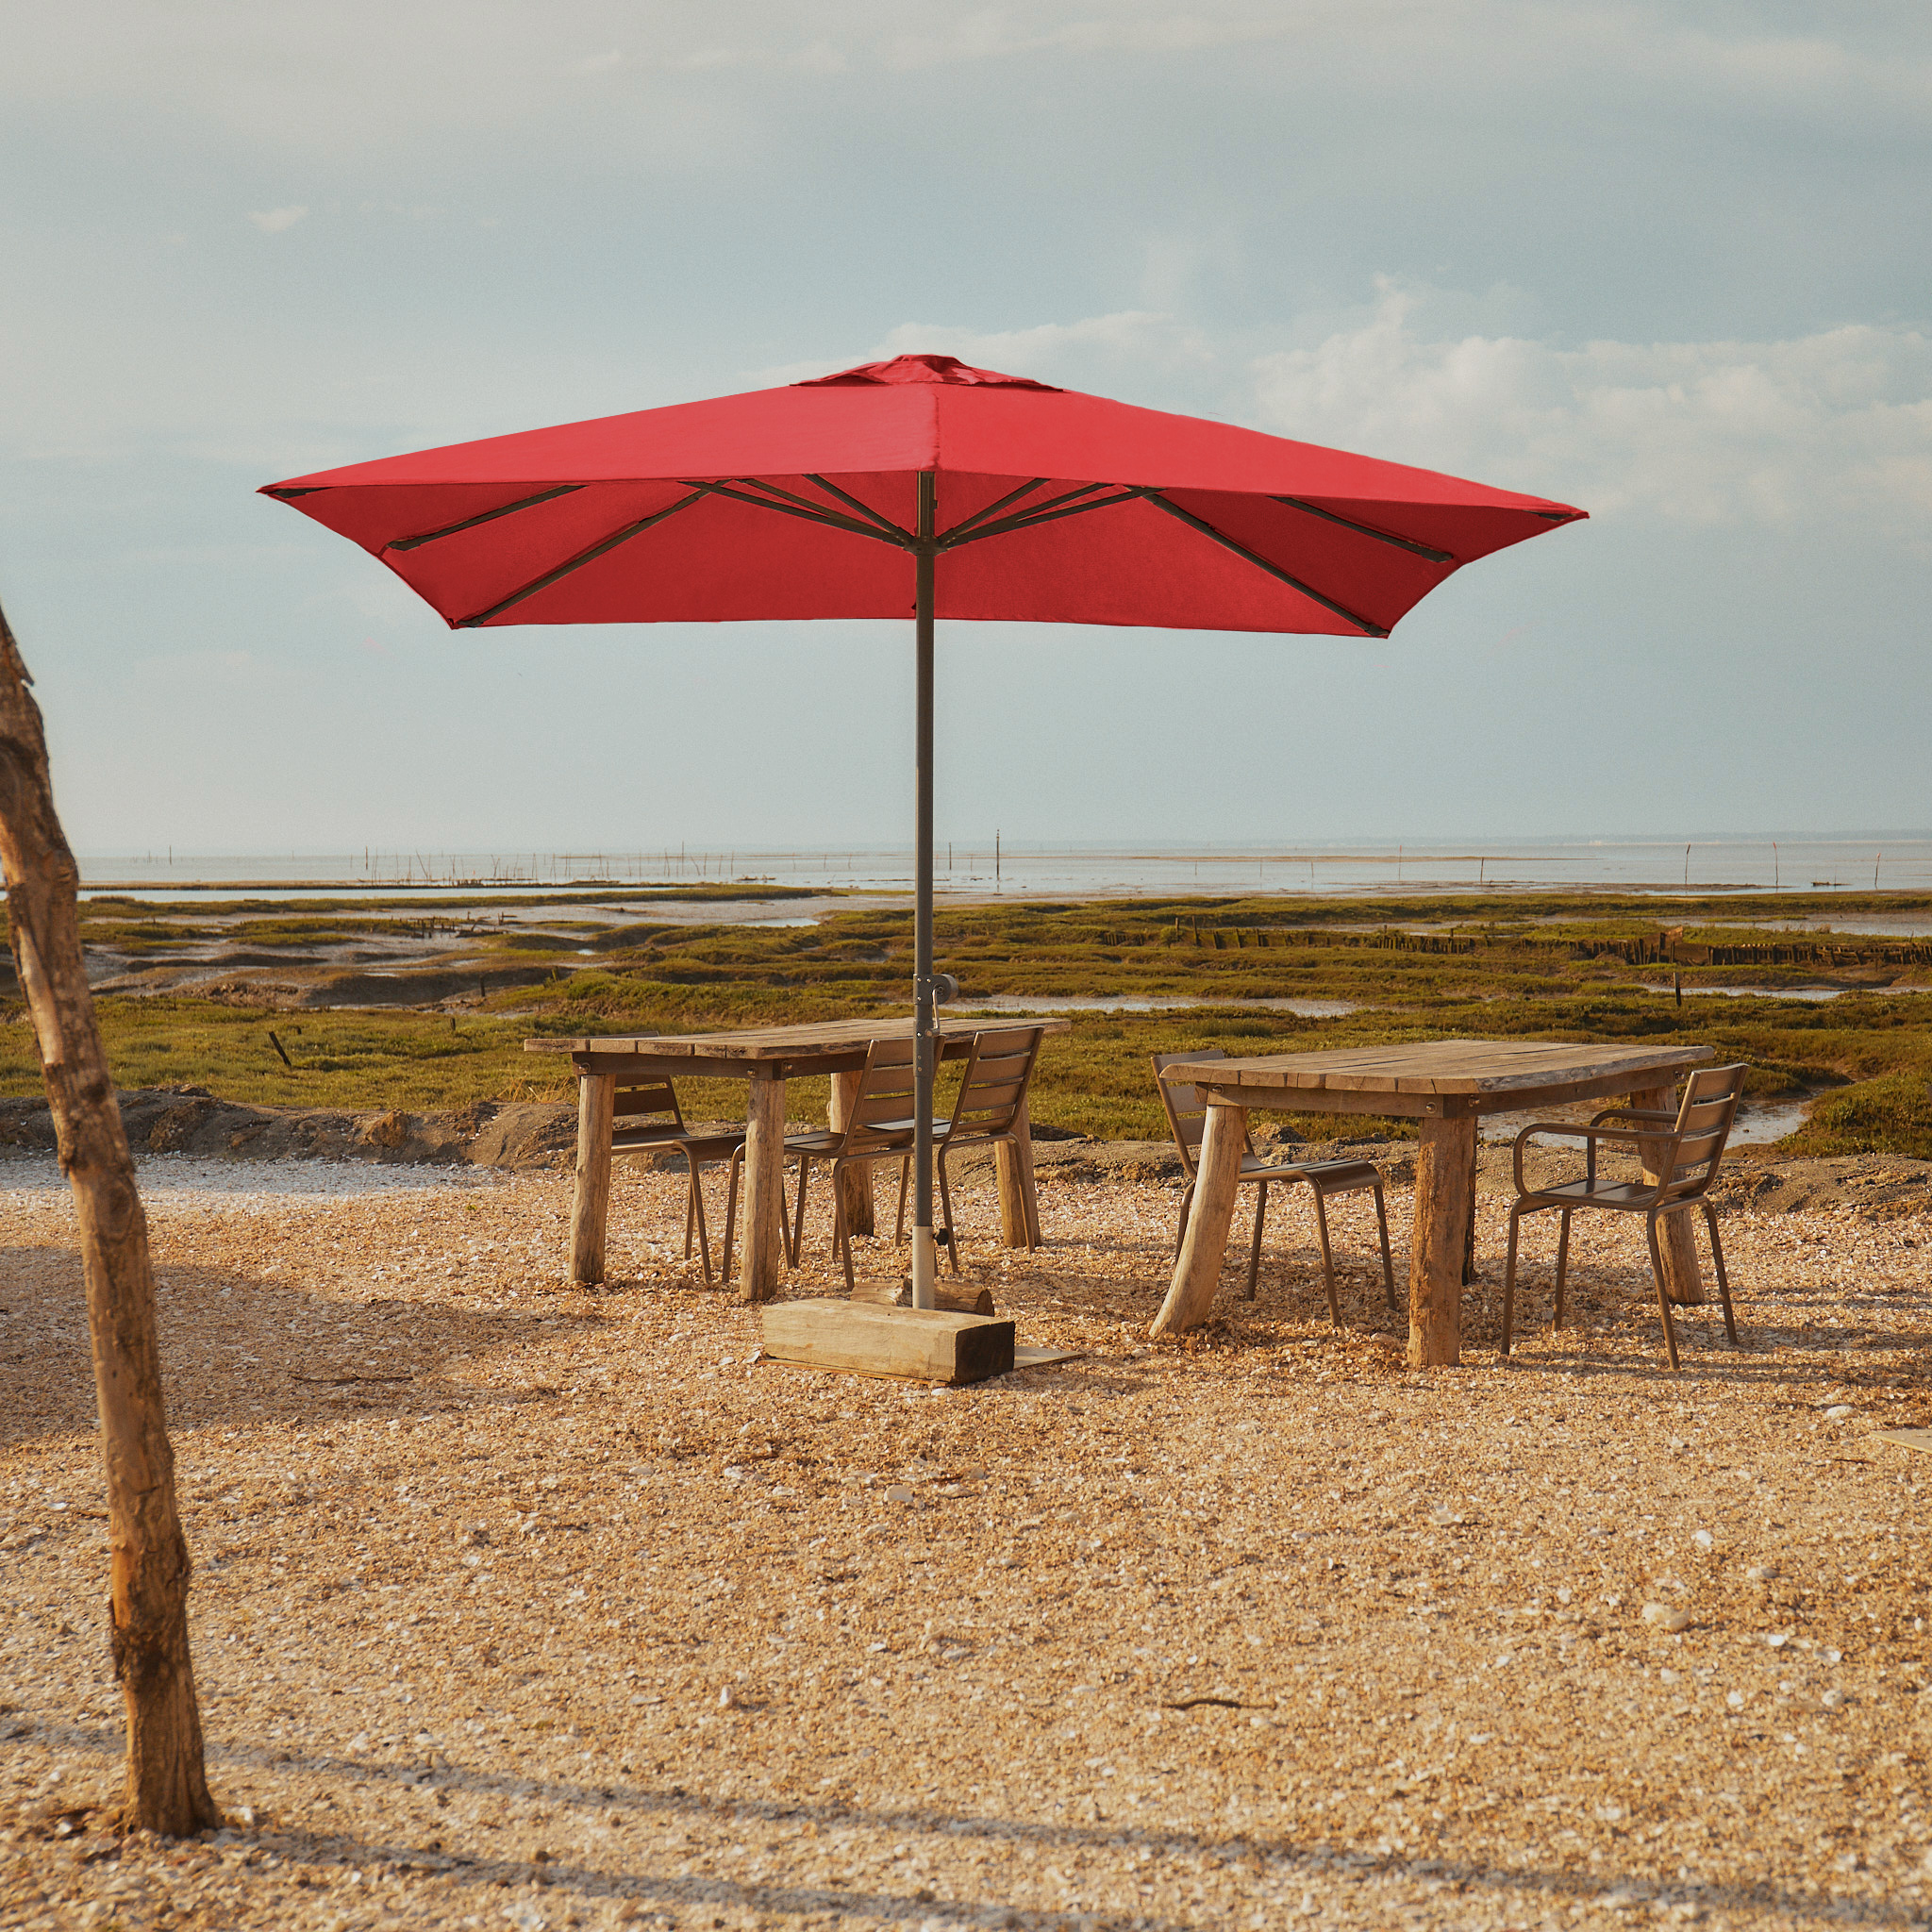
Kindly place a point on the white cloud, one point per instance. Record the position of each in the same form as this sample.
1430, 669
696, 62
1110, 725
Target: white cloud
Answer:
274, 220
1825, 426
1826, 429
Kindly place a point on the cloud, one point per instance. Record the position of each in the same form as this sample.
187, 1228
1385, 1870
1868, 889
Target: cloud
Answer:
272, 221
1825, 426
1828, 429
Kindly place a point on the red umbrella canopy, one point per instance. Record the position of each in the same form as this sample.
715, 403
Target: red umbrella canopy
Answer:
800, 502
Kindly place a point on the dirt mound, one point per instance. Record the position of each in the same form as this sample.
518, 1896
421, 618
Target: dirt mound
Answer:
191, 1120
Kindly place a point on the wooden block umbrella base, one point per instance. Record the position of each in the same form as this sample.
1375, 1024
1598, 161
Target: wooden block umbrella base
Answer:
870, 1338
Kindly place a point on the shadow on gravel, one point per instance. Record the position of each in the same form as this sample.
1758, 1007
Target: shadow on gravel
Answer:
1481, 1885
237, 1351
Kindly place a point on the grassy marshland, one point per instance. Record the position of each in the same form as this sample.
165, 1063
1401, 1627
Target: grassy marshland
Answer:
1553, 965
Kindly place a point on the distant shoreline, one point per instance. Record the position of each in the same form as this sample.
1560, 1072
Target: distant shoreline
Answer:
1881, 861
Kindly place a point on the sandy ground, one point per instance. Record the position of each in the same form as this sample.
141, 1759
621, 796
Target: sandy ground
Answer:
523, 1607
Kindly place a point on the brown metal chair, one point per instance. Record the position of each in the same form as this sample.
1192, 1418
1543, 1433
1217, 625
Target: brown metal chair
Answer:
645, 1118
878, 1126
1683, 1149
987, 1113
1187, 1114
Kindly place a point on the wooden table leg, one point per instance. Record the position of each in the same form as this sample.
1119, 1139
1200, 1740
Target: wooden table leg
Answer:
1443, 1168
1019, 1195
1197, 1271
1683, 1283
764, 1188
596, 1092
855, 1182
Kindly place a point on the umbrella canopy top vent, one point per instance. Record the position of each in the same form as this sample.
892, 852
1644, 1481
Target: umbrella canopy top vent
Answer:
924, 369
801, 502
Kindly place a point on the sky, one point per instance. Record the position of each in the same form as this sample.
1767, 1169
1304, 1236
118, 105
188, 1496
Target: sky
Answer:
1669, 262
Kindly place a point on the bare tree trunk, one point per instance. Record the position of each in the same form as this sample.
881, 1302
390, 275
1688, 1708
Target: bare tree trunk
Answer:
167, 1784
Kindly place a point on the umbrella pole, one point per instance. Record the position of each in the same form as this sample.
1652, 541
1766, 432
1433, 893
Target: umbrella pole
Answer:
926, 1058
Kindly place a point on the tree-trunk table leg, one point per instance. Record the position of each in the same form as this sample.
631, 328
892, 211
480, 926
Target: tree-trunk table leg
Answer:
855, 1182
1019, 1195
591, 1208
1443, 1166
765, 1188
1683, 1283
1197, 1271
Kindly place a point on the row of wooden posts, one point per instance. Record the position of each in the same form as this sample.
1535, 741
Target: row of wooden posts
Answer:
1661, 948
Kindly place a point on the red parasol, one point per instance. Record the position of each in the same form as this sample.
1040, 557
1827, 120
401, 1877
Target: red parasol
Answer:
1011, 499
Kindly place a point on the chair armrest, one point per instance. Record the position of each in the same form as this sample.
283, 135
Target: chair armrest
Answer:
1568, 1130
1634, 1113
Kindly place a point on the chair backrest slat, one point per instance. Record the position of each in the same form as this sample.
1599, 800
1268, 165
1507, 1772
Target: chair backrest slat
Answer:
1187, 1112
1705, 1118
998, 1072
632, 1105
882, 1109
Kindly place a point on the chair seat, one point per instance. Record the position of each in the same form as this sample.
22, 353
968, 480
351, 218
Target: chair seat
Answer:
1330, 1176
699, 1147
1630, 1196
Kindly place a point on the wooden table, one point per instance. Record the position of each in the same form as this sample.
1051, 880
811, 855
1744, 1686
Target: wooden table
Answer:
765, 1056
1447, 1085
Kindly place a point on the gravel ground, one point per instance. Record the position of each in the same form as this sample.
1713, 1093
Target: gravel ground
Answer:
523, 1607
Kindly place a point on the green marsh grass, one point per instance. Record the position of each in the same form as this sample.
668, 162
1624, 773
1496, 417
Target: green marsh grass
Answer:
1520, 967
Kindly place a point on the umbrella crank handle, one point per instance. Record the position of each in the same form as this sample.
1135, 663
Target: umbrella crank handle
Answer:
940, 988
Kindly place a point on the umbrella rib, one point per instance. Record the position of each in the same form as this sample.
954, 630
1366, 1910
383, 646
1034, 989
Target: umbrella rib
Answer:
798, 508
1274, 570
1007, 525
865, 509
993, 509
577, 562
1315, 510
1061, 506
488, 516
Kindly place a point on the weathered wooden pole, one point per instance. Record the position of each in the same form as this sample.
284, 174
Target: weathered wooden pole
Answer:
167, 1783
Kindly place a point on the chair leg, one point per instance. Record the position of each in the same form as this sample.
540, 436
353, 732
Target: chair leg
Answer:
1255, 1245
1387, 1266
689, 1175
696, 1211
1509, 1278
1663, 1300
731, 1211
796, 1246
842, 1235
946, 1213
1562, 1264
905, 1174
1717, 1257
1180, 1234
1327, 1258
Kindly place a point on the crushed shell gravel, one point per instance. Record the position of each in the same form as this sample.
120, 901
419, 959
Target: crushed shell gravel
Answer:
521, 1606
